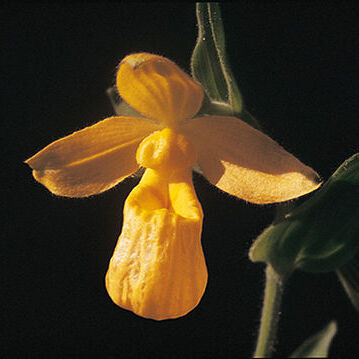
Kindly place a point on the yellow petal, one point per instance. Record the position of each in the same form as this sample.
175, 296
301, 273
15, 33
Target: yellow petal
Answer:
158, 270
246, 163
158, 88
92, 160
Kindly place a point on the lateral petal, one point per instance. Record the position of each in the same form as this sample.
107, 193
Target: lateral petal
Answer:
246, 163
93, 159
158, 269
157, 88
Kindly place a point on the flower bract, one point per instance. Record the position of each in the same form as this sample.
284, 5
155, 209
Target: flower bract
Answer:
158, 268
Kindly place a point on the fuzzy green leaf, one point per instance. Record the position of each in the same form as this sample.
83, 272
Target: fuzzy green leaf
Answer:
209, 60
321, 234
205, 63
317, 346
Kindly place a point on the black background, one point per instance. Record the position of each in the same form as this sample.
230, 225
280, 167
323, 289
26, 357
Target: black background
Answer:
297, 66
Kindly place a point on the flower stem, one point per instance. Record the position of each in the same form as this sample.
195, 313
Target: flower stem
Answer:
270, 314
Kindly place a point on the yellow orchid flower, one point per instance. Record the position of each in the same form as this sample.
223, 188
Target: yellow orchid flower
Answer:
158, 269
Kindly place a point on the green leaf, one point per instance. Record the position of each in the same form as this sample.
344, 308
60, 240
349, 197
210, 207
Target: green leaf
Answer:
205, 63
319, 235
317, 346
209, 61
349, 278
224, 109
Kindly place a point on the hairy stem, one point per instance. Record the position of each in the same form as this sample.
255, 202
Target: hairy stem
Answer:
270, 314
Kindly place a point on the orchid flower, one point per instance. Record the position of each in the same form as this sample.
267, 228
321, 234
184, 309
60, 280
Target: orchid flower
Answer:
158, 268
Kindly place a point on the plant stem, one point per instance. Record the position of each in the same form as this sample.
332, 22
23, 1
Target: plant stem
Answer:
270, 314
